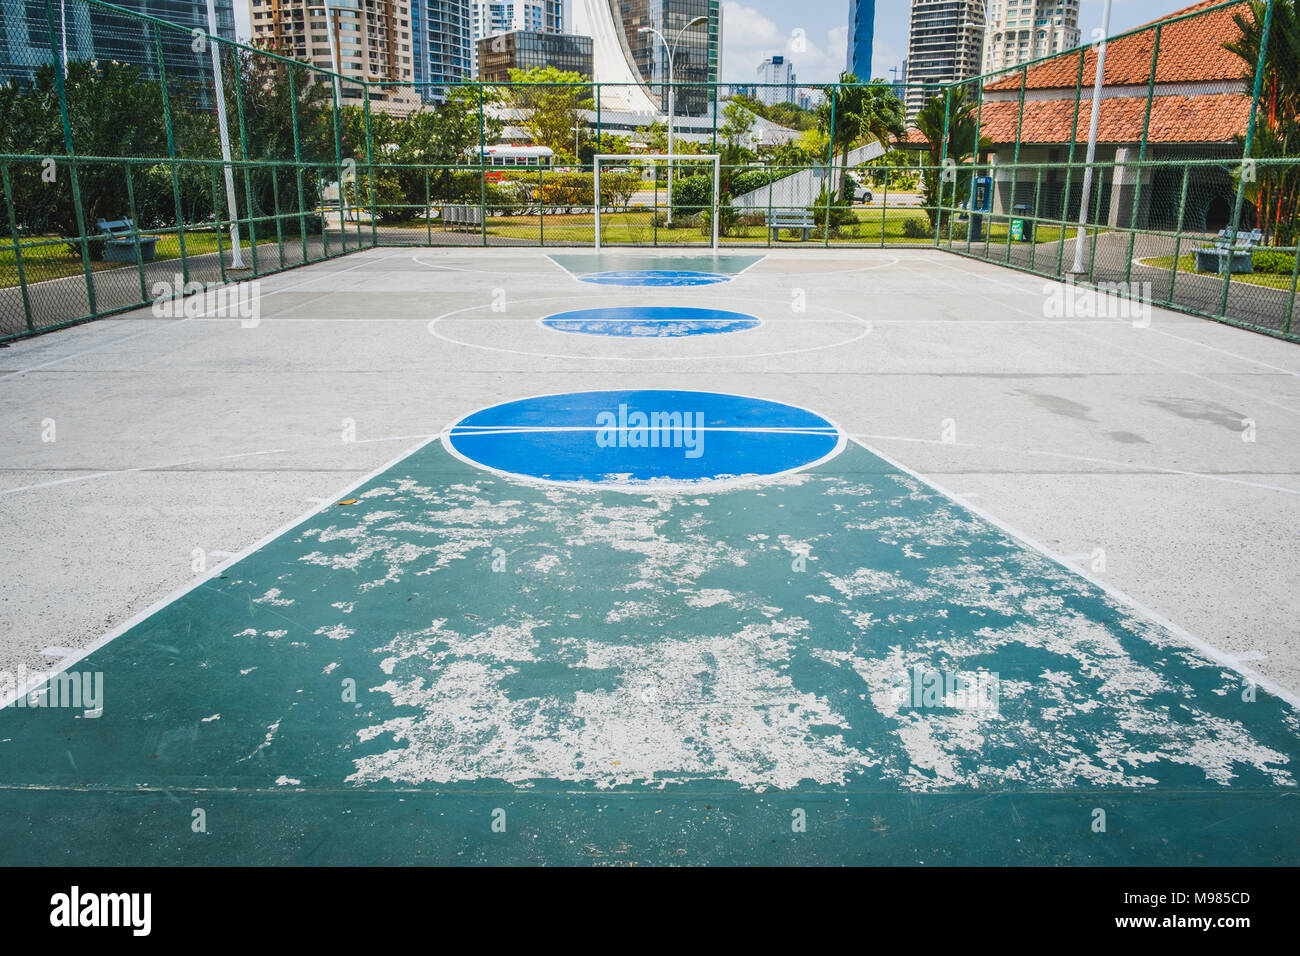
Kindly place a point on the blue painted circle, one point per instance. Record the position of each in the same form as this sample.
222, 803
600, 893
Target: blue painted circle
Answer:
634, 437
655, 277
650, 322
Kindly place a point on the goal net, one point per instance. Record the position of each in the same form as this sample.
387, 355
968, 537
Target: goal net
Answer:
673, 181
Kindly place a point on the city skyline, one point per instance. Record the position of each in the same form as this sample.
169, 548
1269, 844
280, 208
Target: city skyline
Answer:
815, 36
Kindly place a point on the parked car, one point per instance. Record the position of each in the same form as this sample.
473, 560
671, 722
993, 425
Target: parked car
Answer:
860, 192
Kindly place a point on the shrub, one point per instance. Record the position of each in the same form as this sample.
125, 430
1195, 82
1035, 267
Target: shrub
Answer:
1274, 263
691, 194
917, 228
749, 180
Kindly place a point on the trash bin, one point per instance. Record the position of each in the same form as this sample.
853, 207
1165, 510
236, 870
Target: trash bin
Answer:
1022, 227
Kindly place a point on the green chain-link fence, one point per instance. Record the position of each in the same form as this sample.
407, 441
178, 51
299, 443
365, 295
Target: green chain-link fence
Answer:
1191, 199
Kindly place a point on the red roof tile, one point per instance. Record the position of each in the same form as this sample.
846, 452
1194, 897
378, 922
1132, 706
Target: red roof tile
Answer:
1214, 118
1191, 50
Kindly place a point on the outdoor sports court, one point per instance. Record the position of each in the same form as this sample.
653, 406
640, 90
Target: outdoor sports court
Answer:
541, 556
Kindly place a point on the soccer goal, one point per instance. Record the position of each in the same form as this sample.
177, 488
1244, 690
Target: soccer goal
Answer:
672, 160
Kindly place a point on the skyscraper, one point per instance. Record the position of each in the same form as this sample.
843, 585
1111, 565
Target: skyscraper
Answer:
442, 49
84, 32
623, 54
495, 17
946, 45
1023, 30
862, 29
779, 71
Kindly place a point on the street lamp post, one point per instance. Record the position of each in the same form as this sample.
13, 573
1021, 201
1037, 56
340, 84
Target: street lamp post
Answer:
672, 98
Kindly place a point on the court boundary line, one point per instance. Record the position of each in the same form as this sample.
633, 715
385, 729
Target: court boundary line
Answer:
202, 579
1223, 658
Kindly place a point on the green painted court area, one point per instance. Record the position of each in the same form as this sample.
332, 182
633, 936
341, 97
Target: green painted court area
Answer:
451, 666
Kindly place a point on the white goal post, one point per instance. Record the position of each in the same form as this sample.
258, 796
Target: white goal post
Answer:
671, 157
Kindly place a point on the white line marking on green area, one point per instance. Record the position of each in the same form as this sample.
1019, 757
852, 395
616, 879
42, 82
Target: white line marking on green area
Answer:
1209, 650
213, 572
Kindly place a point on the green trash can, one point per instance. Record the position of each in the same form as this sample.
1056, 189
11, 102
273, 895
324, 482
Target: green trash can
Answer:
1022, 227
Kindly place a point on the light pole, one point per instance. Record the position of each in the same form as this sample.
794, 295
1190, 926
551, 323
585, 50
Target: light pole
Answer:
1086, 198
672, 98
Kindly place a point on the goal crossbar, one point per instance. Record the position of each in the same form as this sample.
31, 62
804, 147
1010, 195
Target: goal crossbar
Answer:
716, 158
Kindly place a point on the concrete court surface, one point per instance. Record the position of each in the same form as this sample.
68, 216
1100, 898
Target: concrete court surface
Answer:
180, 443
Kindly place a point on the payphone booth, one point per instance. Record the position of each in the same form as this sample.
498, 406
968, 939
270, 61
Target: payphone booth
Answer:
981, 205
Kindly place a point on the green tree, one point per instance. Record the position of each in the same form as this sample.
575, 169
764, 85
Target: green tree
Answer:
858, 114
738, 120
1274, 190
552, 102
950, 180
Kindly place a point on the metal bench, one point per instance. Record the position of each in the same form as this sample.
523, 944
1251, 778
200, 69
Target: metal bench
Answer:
120, 238
1226, 254
802, 221
467, 216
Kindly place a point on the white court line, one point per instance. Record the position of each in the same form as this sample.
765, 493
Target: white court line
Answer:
129, 471
1239, 357
212, 573
173, 323
1141, 355
200, 461
867, 327
1197, 643
467, 431
1133, 469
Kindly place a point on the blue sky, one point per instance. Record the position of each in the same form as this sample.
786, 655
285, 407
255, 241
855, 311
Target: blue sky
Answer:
814, 34
754, 29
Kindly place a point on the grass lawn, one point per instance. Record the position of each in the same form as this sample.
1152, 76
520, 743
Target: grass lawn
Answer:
637, 227
49, 257
1188, 264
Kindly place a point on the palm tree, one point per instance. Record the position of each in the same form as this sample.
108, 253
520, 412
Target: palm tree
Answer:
960, 111
1275, 191
859, 113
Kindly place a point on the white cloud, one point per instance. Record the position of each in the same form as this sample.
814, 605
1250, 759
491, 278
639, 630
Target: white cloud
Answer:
749, 37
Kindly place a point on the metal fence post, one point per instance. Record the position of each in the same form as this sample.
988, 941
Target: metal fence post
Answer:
68, 144
171, 153
1136, 209
18, 249
1247, 148
370, 170
297, 165
943, 165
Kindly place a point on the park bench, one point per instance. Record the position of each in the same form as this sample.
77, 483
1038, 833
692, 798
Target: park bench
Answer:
1226, 254
120, 238
803, 221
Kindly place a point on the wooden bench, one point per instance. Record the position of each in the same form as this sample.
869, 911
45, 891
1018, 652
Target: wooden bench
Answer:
1226, 254
803, 221
120, 238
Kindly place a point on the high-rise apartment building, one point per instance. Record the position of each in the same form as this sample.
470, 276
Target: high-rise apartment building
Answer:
366, 40
442, 44
946, 45
1022, 30
779, 71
